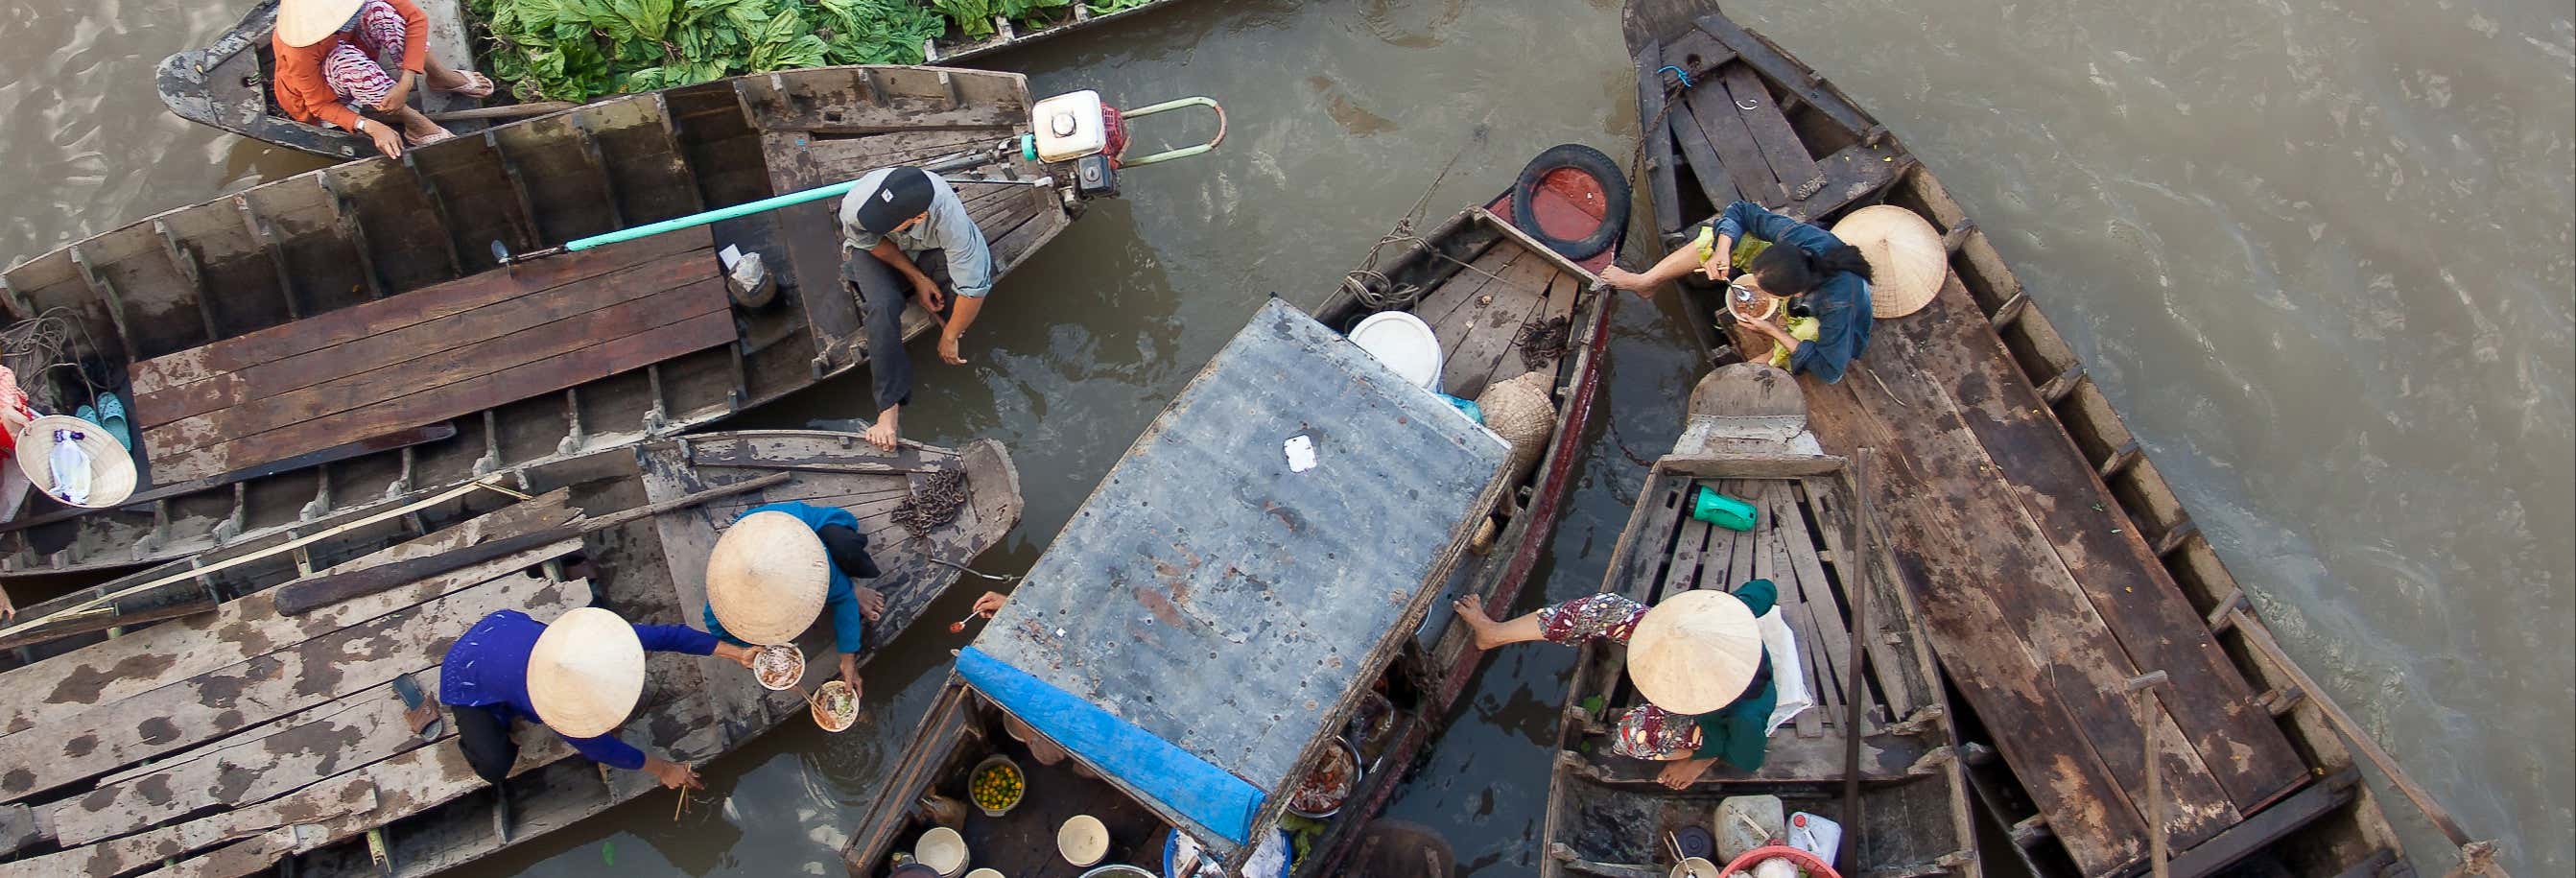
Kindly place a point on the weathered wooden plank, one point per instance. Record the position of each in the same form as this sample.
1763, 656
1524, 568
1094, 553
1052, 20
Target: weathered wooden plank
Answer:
180, 715
1485, 329
1884, 658
129, 854
1683, 125
2262, 830
1800, 80
2143, 608
150, 658
1462, 288
1662, 187
463, 397
357, 730
332, 391
385, 315
20, 826
1723, 128
1797, 563
1988, 591
428, 338
1645, 546
1684, 571
1781, 150
1851, 174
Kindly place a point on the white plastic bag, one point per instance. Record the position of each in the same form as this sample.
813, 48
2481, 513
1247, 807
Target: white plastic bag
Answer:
71, 470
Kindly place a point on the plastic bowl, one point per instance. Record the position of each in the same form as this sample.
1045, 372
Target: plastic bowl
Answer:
990, 761
943, 850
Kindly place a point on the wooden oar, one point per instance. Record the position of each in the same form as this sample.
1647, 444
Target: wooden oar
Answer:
306, 595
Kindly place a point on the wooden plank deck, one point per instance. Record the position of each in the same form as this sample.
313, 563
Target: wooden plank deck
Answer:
2042, 602
426, 356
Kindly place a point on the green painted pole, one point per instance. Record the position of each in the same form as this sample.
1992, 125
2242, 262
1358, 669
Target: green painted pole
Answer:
748, 208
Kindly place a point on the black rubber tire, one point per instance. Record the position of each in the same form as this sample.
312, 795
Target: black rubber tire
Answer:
1614, 190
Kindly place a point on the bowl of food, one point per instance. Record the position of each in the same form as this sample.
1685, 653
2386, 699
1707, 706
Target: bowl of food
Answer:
835, 706
1328, 784
996, 785
778, 667
1750, 305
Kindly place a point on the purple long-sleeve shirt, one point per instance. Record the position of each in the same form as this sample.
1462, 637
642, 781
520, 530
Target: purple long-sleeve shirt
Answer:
488, 668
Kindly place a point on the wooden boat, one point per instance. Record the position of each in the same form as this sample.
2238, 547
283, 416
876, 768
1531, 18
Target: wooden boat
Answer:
1502, 304
1230, 600
226, 83
2052, 563
1607, 815
348, 338
243, 736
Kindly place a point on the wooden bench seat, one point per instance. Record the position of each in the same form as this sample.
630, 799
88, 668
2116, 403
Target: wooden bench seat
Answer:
428, 355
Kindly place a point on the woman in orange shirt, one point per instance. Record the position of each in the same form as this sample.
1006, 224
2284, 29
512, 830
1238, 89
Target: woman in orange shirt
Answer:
331, 68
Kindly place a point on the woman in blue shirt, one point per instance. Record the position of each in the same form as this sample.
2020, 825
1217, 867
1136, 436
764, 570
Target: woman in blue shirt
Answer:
1816, 271
485, 680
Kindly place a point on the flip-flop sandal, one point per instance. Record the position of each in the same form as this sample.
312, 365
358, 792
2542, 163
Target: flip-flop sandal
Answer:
111, 415
413, 699
477, 85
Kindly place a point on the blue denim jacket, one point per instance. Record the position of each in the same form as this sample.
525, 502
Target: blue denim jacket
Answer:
1841, 303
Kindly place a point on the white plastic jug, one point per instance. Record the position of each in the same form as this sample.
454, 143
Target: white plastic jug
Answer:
1815, 835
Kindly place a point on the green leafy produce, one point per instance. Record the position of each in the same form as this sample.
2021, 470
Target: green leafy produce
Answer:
575, 50
1105, 7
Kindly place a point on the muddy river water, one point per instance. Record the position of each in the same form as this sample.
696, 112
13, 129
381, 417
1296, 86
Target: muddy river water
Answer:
2318, 253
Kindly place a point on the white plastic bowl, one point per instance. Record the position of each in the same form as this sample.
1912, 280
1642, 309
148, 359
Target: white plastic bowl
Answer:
1404, 343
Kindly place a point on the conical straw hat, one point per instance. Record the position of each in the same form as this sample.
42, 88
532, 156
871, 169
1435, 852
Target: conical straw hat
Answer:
586, 672
302, 23
1694, 652
111, 467
1906, 260
766, 578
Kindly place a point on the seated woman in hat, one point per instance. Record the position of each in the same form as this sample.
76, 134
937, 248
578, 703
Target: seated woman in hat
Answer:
776, 569
1697, 657
1820, 275
330, 57
580, 676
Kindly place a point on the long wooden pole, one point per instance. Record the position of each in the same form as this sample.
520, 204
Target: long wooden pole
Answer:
1856, 578
487, 483
2473, 853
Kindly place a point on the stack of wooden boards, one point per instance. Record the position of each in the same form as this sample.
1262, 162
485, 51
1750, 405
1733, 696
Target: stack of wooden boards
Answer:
425, 356
231, 739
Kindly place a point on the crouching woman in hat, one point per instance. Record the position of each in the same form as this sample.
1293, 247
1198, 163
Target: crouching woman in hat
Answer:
331, 55
776, 569
1697, 657
1750, 248
580, 676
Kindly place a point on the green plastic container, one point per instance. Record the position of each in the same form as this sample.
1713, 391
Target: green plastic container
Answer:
1722, 510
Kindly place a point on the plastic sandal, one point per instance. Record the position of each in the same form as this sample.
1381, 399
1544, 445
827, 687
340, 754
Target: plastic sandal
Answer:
413, 698
111, 415
89, 414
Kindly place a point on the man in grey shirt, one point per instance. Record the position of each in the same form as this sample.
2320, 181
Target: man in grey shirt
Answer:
893, 223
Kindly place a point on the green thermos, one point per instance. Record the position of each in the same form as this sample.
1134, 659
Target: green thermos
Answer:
1723, 511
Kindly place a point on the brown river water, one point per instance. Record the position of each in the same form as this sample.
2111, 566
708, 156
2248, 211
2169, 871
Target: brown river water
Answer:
2319, 254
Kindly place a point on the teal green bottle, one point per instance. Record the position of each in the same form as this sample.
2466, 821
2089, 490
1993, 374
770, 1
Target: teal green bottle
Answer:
1722, 510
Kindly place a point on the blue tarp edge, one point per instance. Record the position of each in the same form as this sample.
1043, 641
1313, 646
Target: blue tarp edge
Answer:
1186, 784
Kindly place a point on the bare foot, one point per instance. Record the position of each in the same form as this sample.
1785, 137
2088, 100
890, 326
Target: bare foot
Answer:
1623, 278
1471, 610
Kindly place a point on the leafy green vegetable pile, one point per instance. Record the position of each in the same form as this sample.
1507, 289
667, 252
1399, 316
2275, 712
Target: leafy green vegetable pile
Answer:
575, 50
